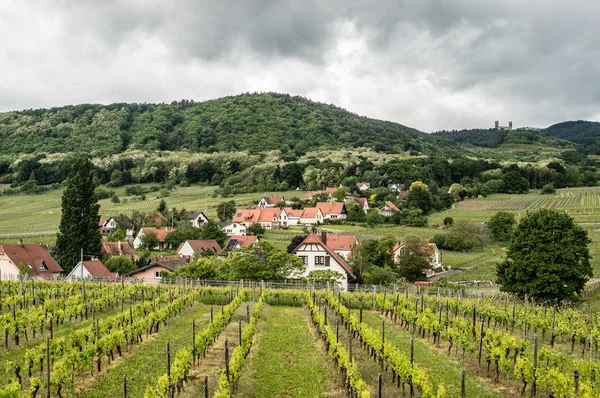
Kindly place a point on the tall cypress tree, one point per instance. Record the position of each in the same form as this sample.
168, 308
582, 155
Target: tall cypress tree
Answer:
80, 216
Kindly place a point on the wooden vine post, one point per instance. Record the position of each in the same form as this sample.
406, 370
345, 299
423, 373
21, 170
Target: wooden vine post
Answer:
412, 350
463, 389
227, 359
125, 386
169, 361
240, 331
205, 386
534, 370
379, 386
194, 341
48, 367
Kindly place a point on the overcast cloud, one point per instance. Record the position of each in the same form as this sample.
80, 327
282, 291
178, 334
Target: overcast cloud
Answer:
428, 64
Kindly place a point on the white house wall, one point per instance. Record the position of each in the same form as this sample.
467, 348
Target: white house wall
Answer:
312, 250
7, 269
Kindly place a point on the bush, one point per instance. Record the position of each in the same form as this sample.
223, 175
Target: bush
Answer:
548, 189
454, 241
115, 199
103, 193
448, 221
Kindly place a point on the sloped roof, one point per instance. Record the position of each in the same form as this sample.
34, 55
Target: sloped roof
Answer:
111, 249
403, 194
360, 184
311, 194
312, 238
362, 202
423, 246
331, 190
98, 269
246, 215
202, 244
122, 221
192, 215
269, 215
332, 207
170, 263
293, 213
340, 242
33, 255
243, 241
310, 212
273, 200
390, 207
161, 233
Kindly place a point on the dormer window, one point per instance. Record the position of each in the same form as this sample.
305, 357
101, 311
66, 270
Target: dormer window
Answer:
42, 266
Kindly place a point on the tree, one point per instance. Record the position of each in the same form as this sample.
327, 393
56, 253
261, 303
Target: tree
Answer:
120, 265
211, 230
263, 261
501, 225
226, 210
414, 263
513, 182
354, 212
324, 276
203, 268
419, 197
185, 231
374, 218
448, 221
80, 216
162, 207
149, 241
256, 229
295, 242
115, 199
547, 257
548, 189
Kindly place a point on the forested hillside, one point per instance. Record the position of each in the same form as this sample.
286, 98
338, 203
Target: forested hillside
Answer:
580, 131
247, 122
490, 138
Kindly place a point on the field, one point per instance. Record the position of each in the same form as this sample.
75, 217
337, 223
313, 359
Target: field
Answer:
112, 340
35, 218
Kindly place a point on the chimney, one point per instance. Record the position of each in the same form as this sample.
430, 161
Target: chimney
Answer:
510, 125
497, 124
20, 242
324, 237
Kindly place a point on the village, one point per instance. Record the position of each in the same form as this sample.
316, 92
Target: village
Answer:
319, 250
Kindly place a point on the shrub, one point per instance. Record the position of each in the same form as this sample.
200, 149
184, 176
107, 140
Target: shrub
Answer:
548, 189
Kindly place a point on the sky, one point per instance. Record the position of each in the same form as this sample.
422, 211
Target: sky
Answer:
428, 64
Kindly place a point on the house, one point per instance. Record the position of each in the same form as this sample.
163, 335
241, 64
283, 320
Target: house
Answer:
189, 248
435, 258
151, 273
311, 194
341, 244
330, 191
289, 217
269, 218
197, 218
117, 222
316, 255
161, 235
237, 242
389, 209
311, 216
332, 210
269, 201
363, 186
246, 216
117, 249
33, 257
233, 228
396, 188
363, 203
92, 269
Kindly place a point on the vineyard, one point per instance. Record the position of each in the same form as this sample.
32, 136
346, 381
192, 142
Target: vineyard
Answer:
88, 339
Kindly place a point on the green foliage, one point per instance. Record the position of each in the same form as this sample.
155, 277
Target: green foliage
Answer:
547, 257
256, 229
103, 193
414, 263
262, 262
226, 210
211, 230
413, 218
374, 218
419, 197
185, 231
372, 253
513, 182
490, 138
121, 265
354, 212
295, 242
502, 225
119, 235
162, 207
380, 276
78, 227
149, 241
203, 268
115, 199
448, 221
325, 276
548, 189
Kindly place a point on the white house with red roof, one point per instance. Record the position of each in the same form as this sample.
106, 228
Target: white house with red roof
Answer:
363, 186
92, 269
234, 228
269, 201
190, 248
389, 209
289, 217
332, 210
237, 242
431, 249
316, 255
340, 243
161, 235
363, 203
311, 216
33, 257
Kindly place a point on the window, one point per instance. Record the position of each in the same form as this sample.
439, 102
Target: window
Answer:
304, 259
327, 261
333, 216
157, 274
319, 260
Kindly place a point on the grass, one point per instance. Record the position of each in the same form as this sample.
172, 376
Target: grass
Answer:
440, 368
147, 361
287, 360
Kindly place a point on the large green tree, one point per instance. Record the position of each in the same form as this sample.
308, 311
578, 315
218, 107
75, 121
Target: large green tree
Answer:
226, 210
501, 224
80, 216
547, 257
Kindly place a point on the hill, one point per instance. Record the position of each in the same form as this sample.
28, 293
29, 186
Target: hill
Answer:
580, 131
246, 122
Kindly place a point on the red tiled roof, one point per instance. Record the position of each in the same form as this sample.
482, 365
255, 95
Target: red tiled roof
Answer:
360, 184
269, 215
203, 244
243, 241
273, 200
403, 194
341, 242
424, 246
293, 213
31, 254
390, 207
111, 249
330, 190
246, 215
310, 212
312, 238
311, 194
331, 207
161, 233
98, 269
362, 202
